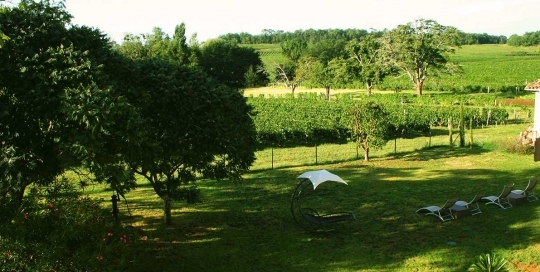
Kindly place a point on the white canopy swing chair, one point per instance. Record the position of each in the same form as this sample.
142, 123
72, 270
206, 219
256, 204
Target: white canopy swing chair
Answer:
308, 218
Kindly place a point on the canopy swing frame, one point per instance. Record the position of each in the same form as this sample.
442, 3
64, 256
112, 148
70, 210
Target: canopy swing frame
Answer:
308, 218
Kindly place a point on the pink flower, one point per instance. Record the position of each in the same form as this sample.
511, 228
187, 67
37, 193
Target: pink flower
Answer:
109, 234
26, 216
50, 205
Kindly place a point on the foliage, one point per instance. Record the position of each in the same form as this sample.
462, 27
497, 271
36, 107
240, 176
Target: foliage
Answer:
369, 126
158, 45
486, 69
270, 36
228, 63
321, 63
187, 124
287, 74
367, 62
489, 263
528, 39
43, 65
308, 119
419, 49
58, 229
294, 49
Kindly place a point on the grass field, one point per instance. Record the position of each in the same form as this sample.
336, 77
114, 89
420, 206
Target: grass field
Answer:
486, 68
248, 226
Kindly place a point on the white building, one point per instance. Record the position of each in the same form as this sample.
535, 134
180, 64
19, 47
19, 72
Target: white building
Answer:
535, 87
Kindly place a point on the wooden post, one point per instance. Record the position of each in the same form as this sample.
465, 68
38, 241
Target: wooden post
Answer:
316, 161
272, 157
450, 132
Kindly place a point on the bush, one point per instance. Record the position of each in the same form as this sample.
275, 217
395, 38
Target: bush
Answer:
58, 229
518, 147
489, 263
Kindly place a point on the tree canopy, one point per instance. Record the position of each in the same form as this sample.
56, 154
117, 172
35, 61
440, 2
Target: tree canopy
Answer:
420, 49
70, 100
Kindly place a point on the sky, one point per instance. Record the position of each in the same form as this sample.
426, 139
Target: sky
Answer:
212, 18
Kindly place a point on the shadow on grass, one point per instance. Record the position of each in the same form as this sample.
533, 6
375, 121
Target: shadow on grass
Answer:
249, 227
440, 152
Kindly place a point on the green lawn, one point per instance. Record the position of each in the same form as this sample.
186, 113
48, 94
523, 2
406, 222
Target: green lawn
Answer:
248, 226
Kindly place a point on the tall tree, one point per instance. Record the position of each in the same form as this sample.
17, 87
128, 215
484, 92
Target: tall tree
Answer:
318, 67
293, 49
189, 124
367, 62
43, 65
228, 63
287, 74
420, 49
178, 47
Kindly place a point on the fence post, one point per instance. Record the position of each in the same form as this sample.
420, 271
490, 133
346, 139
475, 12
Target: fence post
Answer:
272, 157
316, 160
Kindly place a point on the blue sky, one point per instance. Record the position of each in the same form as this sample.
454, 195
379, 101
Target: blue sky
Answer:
211, 18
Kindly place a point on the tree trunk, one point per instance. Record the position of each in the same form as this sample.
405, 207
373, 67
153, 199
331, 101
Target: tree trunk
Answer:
327, 95
293, 87
419, 85
167, 209
366, 154
369, 85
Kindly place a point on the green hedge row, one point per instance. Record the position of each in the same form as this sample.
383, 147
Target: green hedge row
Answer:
309, 119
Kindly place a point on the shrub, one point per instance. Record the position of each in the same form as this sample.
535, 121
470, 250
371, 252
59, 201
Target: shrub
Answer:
518, 147
59, 229
489, 262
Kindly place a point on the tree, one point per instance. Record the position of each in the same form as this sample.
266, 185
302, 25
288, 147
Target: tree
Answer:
318, 67
189, 124
366, 59
420, 49
293, 49
43, 66
178, 48
316, 73
287, 74
158, 45
228, 63
369, 126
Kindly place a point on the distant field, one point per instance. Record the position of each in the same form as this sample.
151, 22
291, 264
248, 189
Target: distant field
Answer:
486, 67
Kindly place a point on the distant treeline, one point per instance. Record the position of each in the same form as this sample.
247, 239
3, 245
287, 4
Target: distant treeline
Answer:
528, 39
311, 36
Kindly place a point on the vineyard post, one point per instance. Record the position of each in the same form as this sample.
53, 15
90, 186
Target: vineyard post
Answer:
471, 141
429, 135
461, 126
272, 157
316, 161
450, 130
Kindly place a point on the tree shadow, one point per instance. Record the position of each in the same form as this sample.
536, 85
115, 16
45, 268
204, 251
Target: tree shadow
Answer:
249, 226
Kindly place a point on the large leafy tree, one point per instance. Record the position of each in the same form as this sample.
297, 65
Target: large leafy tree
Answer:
228, 63
287, 73
366, 61
189, 124
319, 66
420, 49
44, 66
